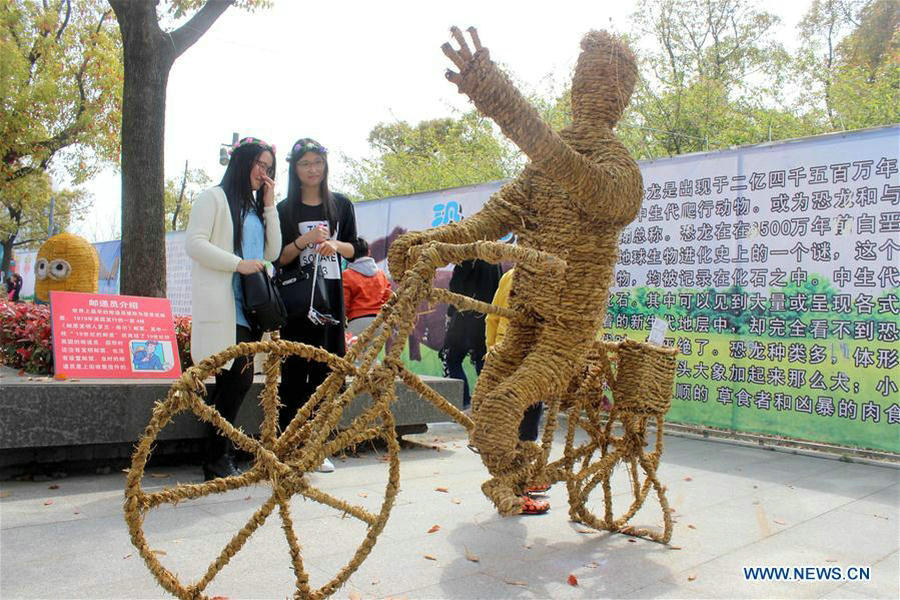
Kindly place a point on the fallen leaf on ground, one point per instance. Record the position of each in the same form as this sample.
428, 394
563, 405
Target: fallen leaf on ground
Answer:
376, 581
572, 580
632, 540
514, 582
434, 528
53, 487
879, 516
159, 552
430, 557
692, 577
471, 557
159, 475
76, 513
592, 565
688, 478
441, 489
674, 547
126, 556
528, 546
220, 598
456, 501
586, 531
48, 502
779, 521
691, 527
248, 498
363, 495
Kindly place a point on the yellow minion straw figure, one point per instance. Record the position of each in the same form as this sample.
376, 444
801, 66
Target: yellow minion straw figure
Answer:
65, 262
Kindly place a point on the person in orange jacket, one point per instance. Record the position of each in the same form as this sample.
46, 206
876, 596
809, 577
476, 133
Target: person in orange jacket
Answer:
366, 289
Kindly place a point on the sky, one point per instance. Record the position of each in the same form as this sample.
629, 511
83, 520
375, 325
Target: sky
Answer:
333, 70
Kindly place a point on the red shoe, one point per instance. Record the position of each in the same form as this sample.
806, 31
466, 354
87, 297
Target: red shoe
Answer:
537, 490
530, 506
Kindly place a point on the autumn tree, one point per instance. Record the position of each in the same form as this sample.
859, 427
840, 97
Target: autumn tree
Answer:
713, 76
60, 84
61, 87
25, 211
432, 155
864, 88
149, 53
179, 195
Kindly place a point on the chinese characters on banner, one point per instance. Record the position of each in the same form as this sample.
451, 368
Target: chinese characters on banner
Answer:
776, 267
99, 336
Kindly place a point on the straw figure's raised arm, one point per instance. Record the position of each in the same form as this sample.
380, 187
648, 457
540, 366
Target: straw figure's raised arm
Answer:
496, 97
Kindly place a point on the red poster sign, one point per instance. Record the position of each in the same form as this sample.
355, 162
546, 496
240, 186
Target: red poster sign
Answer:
123, 337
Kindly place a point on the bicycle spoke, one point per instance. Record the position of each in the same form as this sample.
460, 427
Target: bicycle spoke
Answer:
191, 491
236, 543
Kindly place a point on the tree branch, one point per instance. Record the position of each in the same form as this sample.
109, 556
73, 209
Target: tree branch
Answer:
31, 241
65, 21
185, 36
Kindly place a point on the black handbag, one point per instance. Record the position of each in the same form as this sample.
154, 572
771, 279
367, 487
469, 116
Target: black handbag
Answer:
295, 284
263, 306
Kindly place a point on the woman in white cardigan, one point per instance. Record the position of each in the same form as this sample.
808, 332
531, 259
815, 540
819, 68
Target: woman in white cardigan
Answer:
233, 228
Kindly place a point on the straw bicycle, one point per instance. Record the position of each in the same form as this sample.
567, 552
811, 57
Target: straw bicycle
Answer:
639, 376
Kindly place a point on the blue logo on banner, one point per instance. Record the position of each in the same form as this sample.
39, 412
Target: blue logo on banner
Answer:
446, 213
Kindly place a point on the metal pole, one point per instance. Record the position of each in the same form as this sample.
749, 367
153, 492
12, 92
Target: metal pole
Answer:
50, 217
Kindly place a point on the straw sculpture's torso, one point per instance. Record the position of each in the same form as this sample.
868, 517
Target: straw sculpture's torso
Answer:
579, 190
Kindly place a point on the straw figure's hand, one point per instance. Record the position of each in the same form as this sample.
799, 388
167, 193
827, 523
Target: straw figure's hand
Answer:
464, 59
398, 253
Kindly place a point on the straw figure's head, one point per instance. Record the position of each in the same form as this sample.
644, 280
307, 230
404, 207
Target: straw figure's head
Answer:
65, 262
605, 75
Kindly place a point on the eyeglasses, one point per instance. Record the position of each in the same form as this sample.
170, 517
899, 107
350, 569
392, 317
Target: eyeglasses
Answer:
265, 167
312, 164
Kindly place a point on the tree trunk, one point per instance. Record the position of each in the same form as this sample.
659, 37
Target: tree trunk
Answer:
147, 62
7, 254
149, 54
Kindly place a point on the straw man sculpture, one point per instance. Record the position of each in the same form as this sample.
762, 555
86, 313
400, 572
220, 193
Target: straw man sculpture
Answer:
574, 197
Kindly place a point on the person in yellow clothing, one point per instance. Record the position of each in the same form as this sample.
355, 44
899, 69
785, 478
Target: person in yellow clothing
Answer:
495, 328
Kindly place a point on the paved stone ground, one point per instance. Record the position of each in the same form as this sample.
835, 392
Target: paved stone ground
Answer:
735, 507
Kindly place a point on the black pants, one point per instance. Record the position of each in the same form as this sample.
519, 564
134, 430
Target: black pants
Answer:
465, 337
453, 367
231, 387
528, 428
300, 377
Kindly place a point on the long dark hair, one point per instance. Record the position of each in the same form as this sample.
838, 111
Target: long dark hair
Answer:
236, 185
295, 187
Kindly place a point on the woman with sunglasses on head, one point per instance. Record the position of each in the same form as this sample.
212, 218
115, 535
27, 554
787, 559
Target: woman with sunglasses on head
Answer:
232, 229
316, 225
